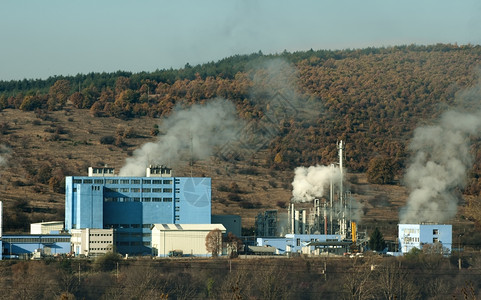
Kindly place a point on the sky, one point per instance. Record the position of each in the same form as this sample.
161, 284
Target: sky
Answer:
39, 39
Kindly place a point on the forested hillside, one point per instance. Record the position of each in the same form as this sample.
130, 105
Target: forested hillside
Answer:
372, 98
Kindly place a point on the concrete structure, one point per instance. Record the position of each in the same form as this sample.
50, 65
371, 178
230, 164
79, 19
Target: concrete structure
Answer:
26, 245
232, 223
187, 238
266, 223
293, 243
417, 235
131, 205
53, 227
92, 242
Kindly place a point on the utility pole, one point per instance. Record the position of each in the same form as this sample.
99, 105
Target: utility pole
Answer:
79, 273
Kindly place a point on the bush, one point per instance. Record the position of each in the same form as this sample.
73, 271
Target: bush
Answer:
107, 262
107, 140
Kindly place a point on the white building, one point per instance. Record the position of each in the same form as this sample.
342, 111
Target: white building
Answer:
92, 242
46, 227
186, 238
293, 243
417, 235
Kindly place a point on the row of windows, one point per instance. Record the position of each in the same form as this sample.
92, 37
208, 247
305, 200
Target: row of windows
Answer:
124, 181
138, 199
108, 226
132, 243
100, 249
37, 240
100, 234
100, 242
140, 190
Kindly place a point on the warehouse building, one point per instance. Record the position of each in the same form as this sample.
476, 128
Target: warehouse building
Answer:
131, 205
53, 227
182, 239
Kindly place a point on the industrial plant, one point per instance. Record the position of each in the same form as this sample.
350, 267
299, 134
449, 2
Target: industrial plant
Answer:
159, 213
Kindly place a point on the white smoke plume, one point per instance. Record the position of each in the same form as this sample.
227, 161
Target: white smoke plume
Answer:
310, 183
441, 161
4, 155
195, 131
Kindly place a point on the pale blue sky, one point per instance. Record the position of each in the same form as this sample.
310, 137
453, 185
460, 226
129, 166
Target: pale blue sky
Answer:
39, 39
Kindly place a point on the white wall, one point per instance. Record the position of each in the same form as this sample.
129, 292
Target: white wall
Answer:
417, 235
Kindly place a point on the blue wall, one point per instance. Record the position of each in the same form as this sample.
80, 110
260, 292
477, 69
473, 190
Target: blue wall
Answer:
132, 204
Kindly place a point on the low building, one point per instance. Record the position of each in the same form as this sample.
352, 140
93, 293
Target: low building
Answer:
53, 227
293, 243
92, 242
418, 235
28, 244
188, 239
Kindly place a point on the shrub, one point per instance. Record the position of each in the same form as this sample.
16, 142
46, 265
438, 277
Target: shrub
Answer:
107, 140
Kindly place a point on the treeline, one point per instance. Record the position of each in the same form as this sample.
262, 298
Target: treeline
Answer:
418, 276
372, 98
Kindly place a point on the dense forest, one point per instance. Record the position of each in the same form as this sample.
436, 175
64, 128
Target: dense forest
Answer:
374, 98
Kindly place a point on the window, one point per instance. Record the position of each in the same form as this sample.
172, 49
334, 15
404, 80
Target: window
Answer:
135, 190
157, 190
168, 190
144, 190
156, 181
146, 181
87, 180
98, 181
435, 231
167, 199
124, 190
135, 181
111, 181
177, 199
298, 242
177, 190
124, 181
435, 240
77, 181
168, 181
146, 225
136, 199
146, 200
74, 190
155, 199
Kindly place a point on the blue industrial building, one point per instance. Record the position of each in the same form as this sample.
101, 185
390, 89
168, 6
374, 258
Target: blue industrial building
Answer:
131, 205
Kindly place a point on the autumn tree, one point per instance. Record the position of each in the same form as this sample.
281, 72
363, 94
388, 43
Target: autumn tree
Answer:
213, 242
381, 170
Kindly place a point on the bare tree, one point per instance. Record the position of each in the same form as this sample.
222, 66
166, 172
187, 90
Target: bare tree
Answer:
213, 242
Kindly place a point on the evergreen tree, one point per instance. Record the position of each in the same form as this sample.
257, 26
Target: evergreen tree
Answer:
376, 241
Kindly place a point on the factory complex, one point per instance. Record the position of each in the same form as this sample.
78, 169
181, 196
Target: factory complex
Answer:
161, 215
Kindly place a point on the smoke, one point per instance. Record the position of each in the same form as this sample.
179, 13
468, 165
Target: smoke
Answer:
441, 161
4, 155
309, 183
192, 132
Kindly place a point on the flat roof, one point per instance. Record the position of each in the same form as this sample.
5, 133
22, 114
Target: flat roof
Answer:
191, 227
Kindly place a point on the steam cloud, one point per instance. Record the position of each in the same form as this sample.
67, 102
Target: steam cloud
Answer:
441, 162
4, 154
309, 183
195, 131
